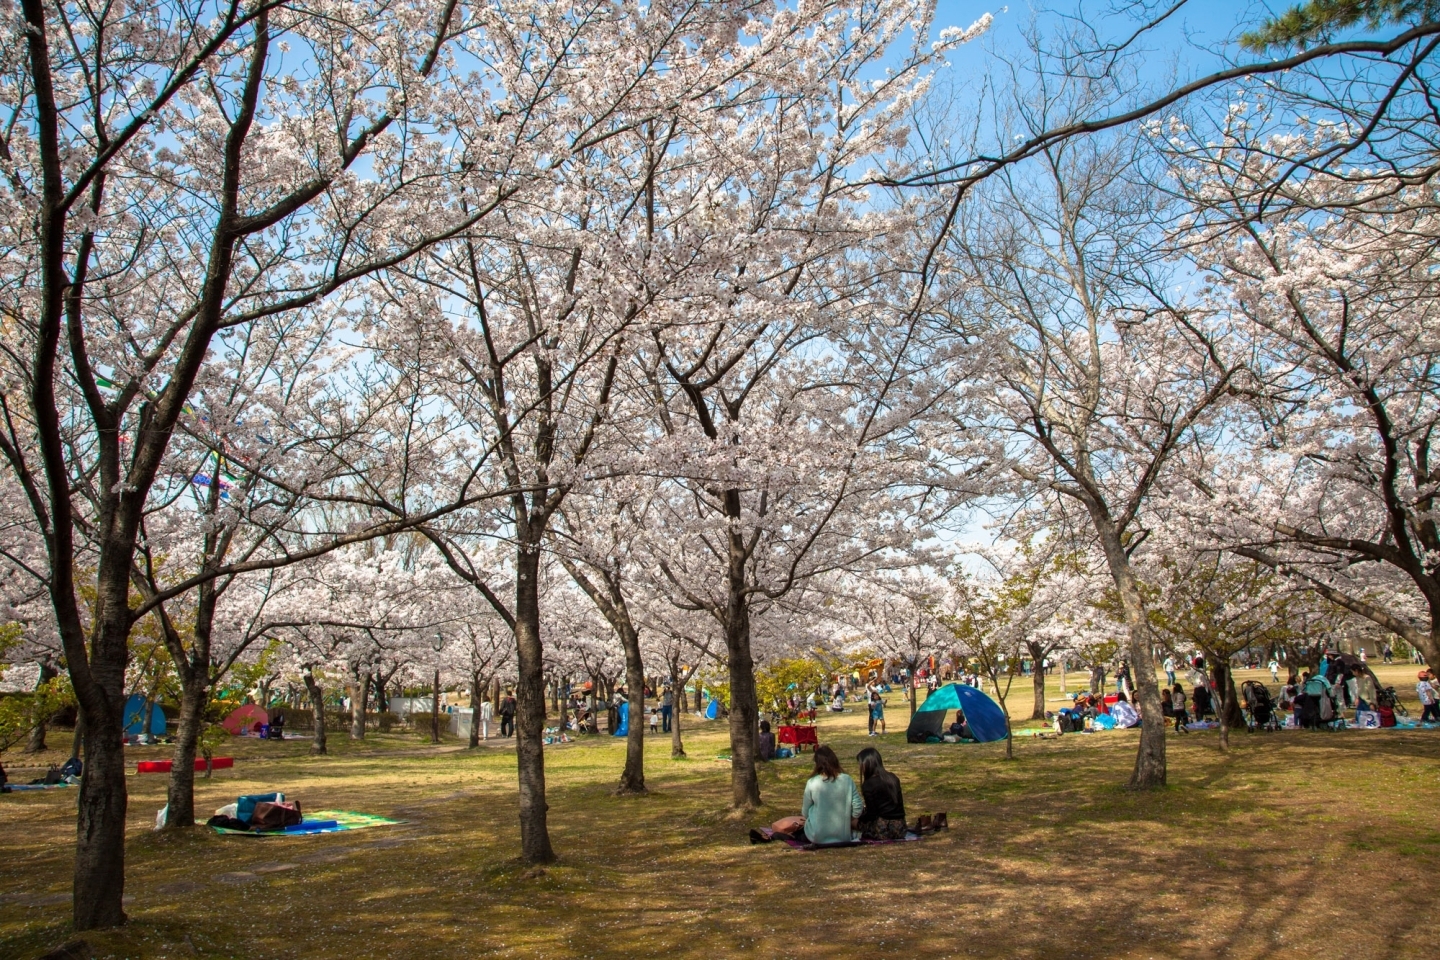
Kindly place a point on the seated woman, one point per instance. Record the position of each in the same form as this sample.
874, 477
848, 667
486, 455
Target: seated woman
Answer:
960, 728
765, 742
831, 806
884, 815
1125, 715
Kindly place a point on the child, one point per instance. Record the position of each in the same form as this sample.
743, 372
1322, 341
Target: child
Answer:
1177, 699
877, 715
654, 719
1429, 698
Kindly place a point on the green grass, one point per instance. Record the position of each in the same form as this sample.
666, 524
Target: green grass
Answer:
1243, 855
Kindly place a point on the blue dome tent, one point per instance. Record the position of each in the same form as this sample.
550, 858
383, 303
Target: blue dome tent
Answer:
135, 717
984, 716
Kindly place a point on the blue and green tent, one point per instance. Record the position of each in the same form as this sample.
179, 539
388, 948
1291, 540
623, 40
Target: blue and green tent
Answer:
986, 720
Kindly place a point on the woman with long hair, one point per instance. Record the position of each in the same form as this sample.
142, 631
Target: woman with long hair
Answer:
883, 817
832, 803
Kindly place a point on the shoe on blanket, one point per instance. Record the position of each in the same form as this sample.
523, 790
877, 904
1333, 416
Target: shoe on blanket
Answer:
941, 821
924, 825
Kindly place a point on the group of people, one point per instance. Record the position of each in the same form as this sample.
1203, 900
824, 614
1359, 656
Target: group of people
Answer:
507, 716
836, 810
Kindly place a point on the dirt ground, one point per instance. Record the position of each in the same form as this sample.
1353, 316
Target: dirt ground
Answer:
1293, 842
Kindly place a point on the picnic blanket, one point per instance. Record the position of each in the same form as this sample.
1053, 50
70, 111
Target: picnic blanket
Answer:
767, 835
321, 821
38, 786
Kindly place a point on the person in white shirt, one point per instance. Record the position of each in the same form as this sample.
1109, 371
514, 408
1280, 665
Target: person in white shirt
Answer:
1169, 671
1123, 714
487, 713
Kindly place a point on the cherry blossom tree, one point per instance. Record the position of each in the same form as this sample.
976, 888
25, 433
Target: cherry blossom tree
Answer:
1089, 379
1332, 281
172, 171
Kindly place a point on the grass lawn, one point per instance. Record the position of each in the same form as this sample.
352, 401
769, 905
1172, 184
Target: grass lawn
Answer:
1292, 841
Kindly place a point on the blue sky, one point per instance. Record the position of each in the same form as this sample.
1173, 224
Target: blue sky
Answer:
1183, 39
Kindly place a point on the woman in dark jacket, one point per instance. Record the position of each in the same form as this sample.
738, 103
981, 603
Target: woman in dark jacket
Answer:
884, 815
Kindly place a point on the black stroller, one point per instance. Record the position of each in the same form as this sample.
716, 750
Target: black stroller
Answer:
1259, 706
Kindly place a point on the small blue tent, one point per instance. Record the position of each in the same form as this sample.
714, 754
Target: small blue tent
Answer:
135, 717
712, 709
983, 715
622, 727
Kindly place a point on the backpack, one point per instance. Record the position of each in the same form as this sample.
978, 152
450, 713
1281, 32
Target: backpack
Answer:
1387, 716
1327, 709
276, 816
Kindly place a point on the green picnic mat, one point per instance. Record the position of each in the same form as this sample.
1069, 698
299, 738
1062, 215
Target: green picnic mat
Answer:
319, 821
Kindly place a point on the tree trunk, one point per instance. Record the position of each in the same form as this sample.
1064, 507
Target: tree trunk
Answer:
359, 692
36, 743
79, 735
180, 794
677, 747
632, 779
435, 708
100, 829
475, 698
1229, 711
317, 708
564, 706
1037, 678
382, 699
530, 709
1149, 769
744, 784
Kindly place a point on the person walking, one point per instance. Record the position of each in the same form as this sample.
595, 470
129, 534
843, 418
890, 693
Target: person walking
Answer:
487, 715
507, 715
877, 714
1274, 670
1169, 671
667, 708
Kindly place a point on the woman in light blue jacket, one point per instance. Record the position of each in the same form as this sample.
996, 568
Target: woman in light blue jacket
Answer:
832, 803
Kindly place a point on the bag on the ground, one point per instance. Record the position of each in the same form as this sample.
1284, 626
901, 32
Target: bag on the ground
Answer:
276, 816
1367, 719
227, 823
245, 806
1387, 716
